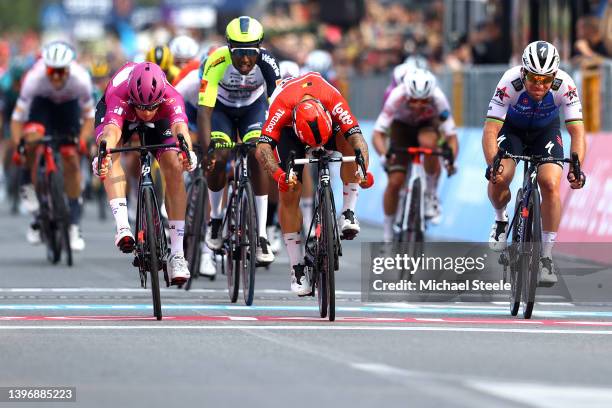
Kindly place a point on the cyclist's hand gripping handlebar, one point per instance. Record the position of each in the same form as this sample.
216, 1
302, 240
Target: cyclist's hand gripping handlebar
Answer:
188, 156
493, 169
366, 178
99, 160
575, 176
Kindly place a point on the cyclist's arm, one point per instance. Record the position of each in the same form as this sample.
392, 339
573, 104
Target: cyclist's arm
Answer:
87, 128
357, 141
571, 106
379, 141
16, 129
204, 125
265, 156
213, 71
182, 128
578, 144
489, 139
112, 134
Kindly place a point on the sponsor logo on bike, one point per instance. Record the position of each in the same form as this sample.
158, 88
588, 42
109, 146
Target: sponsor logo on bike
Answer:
342, 114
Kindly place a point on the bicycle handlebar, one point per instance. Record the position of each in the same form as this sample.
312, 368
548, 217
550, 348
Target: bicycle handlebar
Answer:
319, 154
536, 159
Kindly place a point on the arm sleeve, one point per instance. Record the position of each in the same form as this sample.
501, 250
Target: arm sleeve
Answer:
279, 116
570, 101
214, 69
269, 70
386, 115
340, 111
500, 102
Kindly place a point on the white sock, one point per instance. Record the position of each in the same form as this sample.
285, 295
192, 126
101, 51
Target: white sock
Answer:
500, 214
216, 202
177, 231
350, 192
261, 203
431, 184
306, 207
548, 241
120, 212
388, 228
293, 243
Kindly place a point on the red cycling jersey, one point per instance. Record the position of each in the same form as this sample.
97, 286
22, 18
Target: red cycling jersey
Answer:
291, 91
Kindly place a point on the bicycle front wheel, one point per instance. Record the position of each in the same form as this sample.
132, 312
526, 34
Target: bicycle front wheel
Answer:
327, 258
195, 227
531, 263
230, 244
151, 246
60, 215
247, 239
515, 257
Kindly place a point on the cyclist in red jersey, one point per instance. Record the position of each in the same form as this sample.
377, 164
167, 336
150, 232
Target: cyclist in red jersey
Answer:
307, 112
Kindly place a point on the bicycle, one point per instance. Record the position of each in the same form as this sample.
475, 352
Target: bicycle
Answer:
323, 249
54, 216
522, 257
239, 226
151, 249
195, 219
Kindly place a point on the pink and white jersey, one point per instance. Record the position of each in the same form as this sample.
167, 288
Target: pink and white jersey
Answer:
36, 84
119, 110
396, 108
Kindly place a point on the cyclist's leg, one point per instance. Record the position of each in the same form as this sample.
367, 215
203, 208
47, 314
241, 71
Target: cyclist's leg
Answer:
222, 131
249, 127
348, 223
115, 184
428, 137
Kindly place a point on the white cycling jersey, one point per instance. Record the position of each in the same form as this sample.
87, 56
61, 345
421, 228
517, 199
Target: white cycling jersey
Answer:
189, 87
36, 83
396, 108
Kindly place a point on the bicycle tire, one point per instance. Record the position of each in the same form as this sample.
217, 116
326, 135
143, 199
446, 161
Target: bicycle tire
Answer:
413, 235
194, 227
248, 241
530, 274
229, 243
60, 214
151, 249
329, 261
516, 274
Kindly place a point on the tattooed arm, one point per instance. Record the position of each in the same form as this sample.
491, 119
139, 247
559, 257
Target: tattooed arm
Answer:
266, 158
357, 141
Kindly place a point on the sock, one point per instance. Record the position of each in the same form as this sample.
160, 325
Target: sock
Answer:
293, 243
216, 201
272, 207
548, 241
431, 184
261, 204
388, 228
75, 206
177, 231
350, 192
119, 208
306, 207
500, 214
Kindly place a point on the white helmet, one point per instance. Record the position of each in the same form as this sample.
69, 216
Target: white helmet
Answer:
319, 61
184, 47
416, 62
288, 69
58, 54
420, 83
541, 58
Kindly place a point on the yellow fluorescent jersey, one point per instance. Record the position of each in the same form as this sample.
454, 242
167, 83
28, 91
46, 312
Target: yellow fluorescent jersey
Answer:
221, 81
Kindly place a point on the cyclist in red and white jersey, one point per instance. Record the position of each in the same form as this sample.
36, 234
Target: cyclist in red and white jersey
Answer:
416, 113
56, 99
140, 93
307, 112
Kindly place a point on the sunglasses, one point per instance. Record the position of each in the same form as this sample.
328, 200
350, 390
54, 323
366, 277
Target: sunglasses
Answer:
60, 72
245, 52
148, 108
419, 102
539, 79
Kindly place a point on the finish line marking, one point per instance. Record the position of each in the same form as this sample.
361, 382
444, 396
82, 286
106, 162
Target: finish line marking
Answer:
339, 319
327, 327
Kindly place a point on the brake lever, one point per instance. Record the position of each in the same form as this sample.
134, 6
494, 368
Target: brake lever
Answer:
101, 155
184, 148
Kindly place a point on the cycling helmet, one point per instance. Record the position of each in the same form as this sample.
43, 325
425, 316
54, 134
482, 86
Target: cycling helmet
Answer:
58, 54
146, 84
541, 58
319, 61
244, 30
288, 69
161, 56
100, 68
416, 62
184, 47
312, 123
420, 83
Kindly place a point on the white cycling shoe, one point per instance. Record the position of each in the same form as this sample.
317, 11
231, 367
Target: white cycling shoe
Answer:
547, 275
27, 194
348, 224
208, 267
275, 238
213, 234
300, 284
33, 234
124, 240
263, 253
76, 240
178, 269
498, 238
433, 210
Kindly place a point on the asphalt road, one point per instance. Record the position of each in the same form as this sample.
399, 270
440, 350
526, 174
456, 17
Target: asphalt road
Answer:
90, 327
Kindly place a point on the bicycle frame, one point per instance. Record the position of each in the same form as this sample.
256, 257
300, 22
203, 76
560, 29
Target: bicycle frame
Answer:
417, 172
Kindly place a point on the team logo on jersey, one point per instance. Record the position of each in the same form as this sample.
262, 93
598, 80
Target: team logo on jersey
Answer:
556, 84
213, 64
178, 110
306, 84
274, 120
118, 110
203, 84
571, 93
272, 62
342, 114
517, 84
501, 93
549, 147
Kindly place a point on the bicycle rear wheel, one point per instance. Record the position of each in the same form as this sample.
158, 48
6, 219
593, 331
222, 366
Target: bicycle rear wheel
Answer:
60, 216
531, 264
516, 272
247, 239
230, 244
195, 227
151, 245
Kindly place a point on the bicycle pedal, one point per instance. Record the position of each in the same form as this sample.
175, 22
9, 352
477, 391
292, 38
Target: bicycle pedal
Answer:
308, 294
178, 282
349, 236
546, 284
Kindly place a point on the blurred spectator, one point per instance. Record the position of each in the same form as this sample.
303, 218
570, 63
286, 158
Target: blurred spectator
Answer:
461, 54
486, 44
589, 47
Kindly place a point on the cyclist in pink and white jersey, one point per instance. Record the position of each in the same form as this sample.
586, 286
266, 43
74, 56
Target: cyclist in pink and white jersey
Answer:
140, 93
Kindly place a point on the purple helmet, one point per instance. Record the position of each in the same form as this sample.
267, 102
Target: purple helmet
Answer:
146, 84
